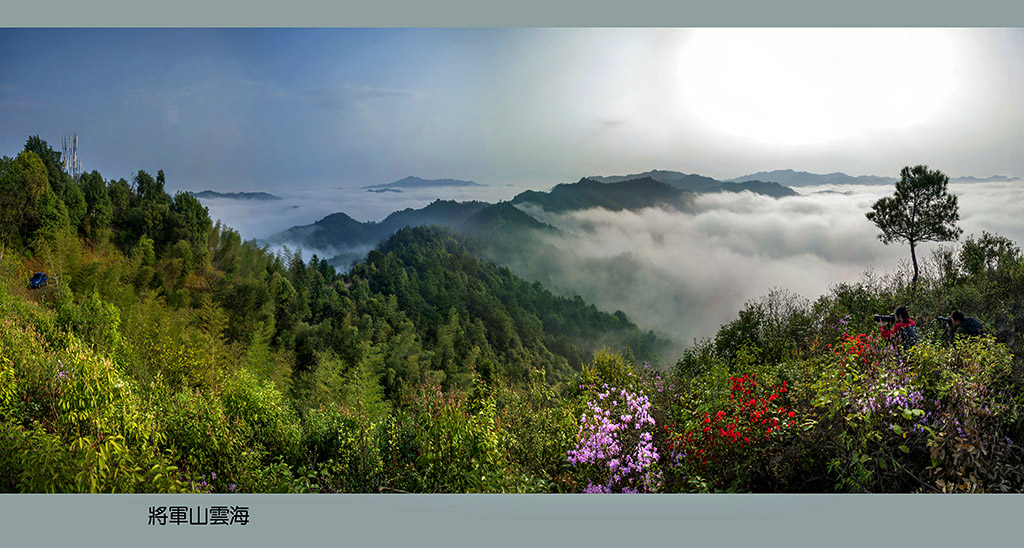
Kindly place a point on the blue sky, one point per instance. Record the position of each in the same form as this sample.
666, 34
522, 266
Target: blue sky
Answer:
224, 107
265, 109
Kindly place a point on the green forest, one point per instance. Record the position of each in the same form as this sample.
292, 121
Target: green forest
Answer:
166, 354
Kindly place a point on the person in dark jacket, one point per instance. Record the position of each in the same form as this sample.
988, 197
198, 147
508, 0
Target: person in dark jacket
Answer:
904, 330
967, 326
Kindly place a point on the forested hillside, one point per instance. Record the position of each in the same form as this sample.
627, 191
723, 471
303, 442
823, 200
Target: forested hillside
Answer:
167, 355
147, 293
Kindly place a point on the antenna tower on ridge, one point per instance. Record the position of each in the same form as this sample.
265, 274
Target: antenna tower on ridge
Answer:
69, 147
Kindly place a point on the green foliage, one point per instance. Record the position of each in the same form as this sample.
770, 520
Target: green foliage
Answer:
611, 368
99, 210
199, 433
51, 160
990, 255
537, 429
262, 418
472, 312
460, 446
72, 422
26, 201
771, 330
362, 455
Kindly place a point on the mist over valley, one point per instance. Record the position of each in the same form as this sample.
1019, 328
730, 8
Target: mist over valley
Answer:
680, 268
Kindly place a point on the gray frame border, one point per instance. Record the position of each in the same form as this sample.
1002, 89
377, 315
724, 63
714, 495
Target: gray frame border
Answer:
523, 13
521, 520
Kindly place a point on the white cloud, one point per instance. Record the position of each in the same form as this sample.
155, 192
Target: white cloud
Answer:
686, 274
349, 95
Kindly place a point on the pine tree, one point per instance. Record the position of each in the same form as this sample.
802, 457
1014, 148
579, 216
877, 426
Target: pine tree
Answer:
921, 210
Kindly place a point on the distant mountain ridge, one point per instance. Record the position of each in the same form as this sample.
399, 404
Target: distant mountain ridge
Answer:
703, 184
588, 193
339, 231
673, 178
992, 179
349, 239
235, 195
416, 182
790, 177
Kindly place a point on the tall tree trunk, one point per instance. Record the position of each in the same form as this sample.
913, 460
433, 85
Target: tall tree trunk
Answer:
913, 258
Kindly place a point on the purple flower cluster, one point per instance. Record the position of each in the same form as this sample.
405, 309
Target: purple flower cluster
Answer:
202, 486
653, 378
62, 373
890, 391
616, 440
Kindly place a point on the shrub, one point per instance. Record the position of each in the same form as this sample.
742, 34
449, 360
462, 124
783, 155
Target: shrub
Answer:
260, 416
537, 429
616, 443
734, 447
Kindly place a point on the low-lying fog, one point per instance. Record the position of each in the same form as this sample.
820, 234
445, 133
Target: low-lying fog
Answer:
681, 274
256, 219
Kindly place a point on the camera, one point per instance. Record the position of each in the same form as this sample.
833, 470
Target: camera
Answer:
945, 319
887, 318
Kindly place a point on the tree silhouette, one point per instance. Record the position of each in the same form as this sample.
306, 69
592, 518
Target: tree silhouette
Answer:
921, 210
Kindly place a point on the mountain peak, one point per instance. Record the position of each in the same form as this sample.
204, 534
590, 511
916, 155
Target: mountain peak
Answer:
416, 182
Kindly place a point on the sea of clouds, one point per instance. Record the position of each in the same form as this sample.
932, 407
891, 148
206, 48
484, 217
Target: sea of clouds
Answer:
681, 274
685, 274
258, 219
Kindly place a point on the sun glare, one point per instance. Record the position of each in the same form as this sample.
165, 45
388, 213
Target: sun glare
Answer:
808, 86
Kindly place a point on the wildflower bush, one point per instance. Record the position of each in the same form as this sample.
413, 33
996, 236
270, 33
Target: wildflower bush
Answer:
616, 446
734, 448
977, 408
870, 416
619, 445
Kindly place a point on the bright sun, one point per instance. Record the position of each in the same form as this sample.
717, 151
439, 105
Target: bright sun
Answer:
807, 86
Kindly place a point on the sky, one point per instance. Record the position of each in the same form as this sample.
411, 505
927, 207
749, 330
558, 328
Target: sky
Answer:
282, 110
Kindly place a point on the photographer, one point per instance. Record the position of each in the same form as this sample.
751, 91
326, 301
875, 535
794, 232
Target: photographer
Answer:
905, 330
967, 326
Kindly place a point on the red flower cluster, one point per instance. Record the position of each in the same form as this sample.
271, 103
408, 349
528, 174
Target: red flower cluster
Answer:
754, 414
860, 346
